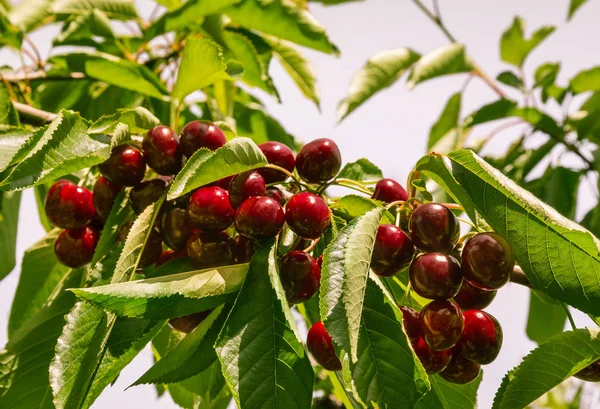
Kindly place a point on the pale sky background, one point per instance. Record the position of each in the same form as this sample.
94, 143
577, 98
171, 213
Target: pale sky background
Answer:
391, 129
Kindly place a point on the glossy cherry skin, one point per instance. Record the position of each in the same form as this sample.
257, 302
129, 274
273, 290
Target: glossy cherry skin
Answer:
393, 250
152, 250
460, 370
105, 192
209, 250
187, 323
307, 215
300, 276
75, 247
259, 217
388, 190
481, 339
470, 297
442, 324
169, 255
244, 186
434, 228
280, 155
209, 209
277, 194
320, 345
175, 228
412, 324
488, 260
161, 150
433, 361
590, 373
201, 134
126, 166
69, 206
319, 161
245, 249
435, 276
146, 193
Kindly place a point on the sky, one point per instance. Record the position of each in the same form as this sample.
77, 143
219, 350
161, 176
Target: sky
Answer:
392, 129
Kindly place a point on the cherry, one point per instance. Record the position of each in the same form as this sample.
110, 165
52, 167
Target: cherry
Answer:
435, 276
320, 345
75, 247
488, 260
68, 205
392, 252
201, 134
300, 276
388, 190
187, 323
276, 194
433, 361
209, 209
146, 193
244, 249
244, 186
126, 166
259, 217
590, 373
412, 324
161, 150
442, 323
320, 261
280, 155
319, 161
169, 255
223, 183
481, 339
152, 250
307, 215
434, 228
105, 193
209, 250
175, 228
460, 370
470, 297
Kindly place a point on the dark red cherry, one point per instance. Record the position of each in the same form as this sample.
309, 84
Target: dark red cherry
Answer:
259, 217
435, 276
223, 183
300, 276
470, 297
320, 345
201, 134
388, 190
590, 373
460, 370
68, 205
187, 323
280, 155
126, 166
488, 260
319, 161
146, 193
105, 192
392, 252
161, 150
277, 194
152, 250
209, 209
175, 228
307, 215
169, 255
244, 249
434, 228
442, 323
320, 261
75, 247
481, 339
209, 250
412, 324
244, 186
433, 361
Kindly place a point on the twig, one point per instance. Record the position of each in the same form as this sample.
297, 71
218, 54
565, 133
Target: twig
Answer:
39, 62
13, 77
33, 116
569, 316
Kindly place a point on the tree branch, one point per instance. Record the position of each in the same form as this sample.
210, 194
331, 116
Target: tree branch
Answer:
33, 116
39, 75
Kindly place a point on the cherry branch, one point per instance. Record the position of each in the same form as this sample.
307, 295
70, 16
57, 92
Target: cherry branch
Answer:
38, 75
33, 116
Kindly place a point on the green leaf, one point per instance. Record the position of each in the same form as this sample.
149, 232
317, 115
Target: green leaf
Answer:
511, 79
514, 47
503, 108
546, 318
10, 34
352, 206
446, 395
8, 113
255, 122
12, 140
546, 74
381, 71
263, 359
587, 80
204, 167
93, 23
119, 214
28, 14
361, 170
558, 187
547, 366
138, 120
344, 277
115, 9
9, 219
446, 123
449, 59
574, 6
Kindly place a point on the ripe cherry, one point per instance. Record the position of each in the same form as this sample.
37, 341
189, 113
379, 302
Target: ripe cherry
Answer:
460, 370
187, 323
244, 186
435, 276
470, 297
259, 217
105, 193
488, 260
412, 324
161, 150
433, 361
434, 228
175, 228
392, 252
320, 345
201, 134
146, 193
209, 250
169, 255
442, 323
244, 249
280, 155
307, 215
481, 339
126, 166
152, 250
75, 247
319, 161
276, 194
388, 190
590, 373
300, 276
68, 205
209, 209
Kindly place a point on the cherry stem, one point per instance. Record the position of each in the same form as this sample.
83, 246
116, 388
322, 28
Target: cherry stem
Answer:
569, 316
396, 203
354, 186
406, 293
289, 174
411, 190
470, 223
312, 246
452, 206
